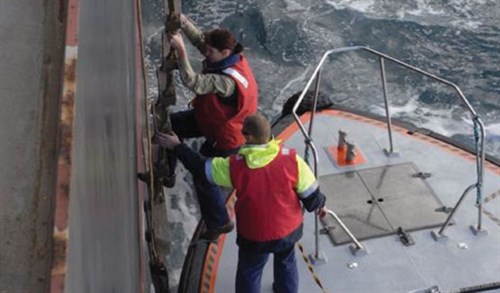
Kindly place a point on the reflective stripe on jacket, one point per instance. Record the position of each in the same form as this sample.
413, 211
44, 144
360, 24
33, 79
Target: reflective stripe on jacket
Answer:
221, 123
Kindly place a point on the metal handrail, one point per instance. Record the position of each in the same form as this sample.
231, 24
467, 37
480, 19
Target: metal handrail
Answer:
356, 242
480, 153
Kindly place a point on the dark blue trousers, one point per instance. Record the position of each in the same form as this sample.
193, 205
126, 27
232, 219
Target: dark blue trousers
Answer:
251, 264
210, 197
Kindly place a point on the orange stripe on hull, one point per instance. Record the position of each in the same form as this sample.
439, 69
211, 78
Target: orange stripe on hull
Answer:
212, 258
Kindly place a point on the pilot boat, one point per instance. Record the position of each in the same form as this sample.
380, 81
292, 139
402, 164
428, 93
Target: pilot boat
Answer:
409, 210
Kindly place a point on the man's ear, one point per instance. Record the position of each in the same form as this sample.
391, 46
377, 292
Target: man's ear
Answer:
226, 52
248, 139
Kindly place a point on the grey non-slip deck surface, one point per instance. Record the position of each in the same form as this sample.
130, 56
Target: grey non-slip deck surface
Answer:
377, 201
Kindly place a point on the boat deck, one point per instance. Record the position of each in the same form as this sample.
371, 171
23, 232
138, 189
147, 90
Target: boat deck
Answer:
462, 260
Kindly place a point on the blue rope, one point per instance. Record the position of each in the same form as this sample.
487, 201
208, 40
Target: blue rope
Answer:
479, 151
307, 141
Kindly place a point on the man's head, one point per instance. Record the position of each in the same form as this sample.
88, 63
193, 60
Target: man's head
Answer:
220, 44
256, 129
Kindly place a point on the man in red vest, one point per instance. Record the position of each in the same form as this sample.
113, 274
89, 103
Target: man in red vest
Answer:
226, 93
271, 182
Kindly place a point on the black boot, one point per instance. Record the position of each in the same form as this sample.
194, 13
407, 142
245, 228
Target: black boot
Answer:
213, 234
144, 177
167, 181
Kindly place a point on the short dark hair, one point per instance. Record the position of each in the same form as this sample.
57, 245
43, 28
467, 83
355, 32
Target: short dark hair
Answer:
222, 39
257, 126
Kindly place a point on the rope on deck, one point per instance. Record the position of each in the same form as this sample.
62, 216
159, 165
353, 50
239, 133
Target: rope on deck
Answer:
310, 267
489, 214
491, 196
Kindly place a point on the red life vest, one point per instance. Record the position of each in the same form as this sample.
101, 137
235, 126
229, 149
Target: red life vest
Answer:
267, 206
220, 123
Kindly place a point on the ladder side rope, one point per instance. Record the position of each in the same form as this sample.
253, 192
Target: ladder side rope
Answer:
158, 271
311, 267
148, 160
157, 117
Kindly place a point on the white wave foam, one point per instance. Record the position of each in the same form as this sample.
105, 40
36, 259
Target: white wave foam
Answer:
493, 129
290, 88
294, 6
365, 6
211, 13
441, 121
182, 217
458, 13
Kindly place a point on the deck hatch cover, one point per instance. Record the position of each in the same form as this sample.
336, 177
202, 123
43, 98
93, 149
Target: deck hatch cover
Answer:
377, 201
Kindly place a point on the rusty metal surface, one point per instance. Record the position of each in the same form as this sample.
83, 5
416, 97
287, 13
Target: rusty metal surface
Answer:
103, 241
62, 194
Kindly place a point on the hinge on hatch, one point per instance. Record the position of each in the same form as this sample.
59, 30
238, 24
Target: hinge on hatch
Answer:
405, 237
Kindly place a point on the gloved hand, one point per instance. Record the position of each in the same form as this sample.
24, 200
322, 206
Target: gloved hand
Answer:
169, 141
